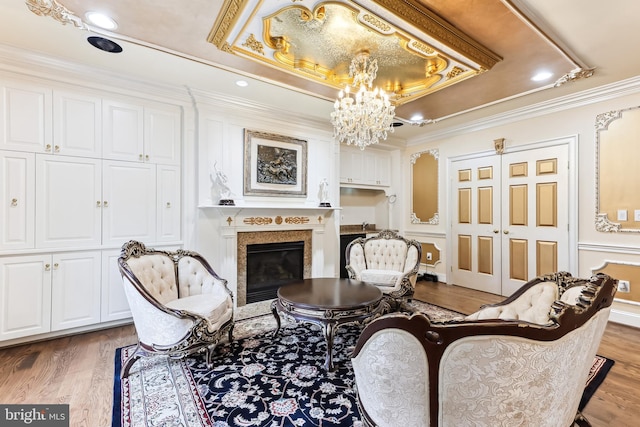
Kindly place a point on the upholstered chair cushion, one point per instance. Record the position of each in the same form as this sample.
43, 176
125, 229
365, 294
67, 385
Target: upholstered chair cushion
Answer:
534, 306
570, 296
388, 278
217, 308
157, 274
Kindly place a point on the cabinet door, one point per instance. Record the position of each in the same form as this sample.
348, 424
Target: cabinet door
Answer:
169, 205
369, 173
162, 134
17, 197
75, 290
129, 195
77, 125
383, 169
123, 131
351, 166
25, 117
68, 197
25, 296
114, 305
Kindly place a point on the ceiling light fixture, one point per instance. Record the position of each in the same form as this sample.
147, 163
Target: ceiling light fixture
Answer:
368, 116
101, 20
542, 75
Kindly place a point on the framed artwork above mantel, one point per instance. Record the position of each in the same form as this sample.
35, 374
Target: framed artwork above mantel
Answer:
274, 165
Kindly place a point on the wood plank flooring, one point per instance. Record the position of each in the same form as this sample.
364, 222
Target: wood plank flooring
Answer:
78, 370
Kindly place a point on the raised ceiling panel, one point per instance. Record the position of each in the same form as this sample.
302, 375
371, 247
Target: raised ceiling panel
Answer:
319, 43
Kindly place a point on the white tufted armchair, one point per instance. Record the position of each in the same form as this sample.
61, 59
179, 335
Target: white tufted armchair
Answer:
386, 260
179, 304
527, 366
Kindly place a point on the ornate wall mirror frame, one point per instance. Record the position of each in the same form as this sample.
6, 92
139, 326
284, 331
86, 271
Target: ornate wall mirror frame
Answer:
424, 187
617, 179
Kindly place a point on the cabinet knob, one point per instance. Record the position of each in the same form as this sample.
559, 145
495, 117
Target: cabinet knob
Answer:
146, 157
506, 231
168, 204
105, 203
56, 148
98, 203
47, 267
140, 157
14, 202
55, 266
47, 147
496, 231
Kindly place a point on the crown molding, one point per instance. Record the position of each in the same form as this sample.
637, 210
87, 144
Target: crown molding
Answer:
36, 65
629, 86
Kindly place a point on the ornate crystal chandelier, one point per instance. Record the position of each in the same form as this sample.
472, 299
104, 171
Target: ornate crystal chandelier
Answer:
365, 118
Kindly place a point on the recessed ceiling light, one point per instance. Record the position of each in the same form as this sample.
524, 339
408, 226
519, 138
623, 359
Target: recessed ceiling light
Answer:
542, 75
416, 117
101, 20
242, 83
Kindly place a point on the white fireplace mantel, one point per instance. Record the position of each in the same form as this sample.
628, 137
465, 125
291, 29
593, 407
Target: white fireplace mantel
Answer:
284, 217
266, 209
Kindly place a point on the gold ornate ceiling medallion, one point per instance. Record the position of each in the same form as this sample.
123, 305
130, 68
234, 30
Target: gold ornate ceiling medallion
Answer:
317, 40
55, 10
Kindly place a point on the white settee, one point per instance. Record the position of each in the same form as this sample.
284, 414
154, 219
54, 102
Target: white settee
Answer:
179, 304
386, 260
524, 361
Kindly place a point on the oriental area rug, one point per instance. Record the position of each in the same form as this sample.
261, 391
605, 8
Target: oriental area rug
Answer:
258, 380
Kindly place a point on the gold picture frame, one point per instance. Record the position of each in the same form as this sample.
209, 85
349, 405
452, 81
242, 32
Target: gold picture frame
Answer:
274, 165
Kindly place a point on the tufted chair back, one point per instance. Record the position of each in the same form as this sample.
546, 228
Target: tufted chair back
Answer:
411, 371
157, 274
178, 303
386, 260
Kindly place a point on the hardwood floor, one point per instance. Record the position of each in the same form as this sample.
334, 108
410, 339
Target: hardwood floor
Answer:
78, 370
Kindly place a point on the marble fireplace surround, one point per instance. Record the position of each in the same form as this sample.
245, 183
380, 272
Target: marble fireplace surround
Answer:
242, 226
260, 237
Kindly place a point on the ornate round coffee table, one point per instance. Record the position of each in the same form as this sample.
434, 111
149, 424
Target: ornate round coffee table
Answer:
329, 302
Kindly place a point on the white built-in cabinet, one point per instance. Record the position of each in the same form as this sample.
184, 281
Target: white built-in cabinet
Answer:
17, 194
68, 192
26, 117
143, 134
48, 292
114, 302
81, 173
368, 167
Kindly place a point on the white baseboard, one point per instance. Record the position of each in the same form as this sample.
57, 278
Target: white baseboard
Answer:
625, 318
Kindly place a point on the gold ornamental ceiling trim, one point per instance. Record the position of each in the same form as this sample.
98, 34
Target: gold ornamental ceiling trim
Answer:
417, 14
318, 43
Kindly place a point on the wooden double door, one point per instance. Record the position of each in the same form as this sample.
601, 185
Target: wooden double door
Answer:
510, 218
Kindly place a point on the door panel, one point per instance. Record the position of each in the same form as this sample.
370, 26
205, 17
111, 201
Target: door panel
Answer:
538, 215
475, 219
510, 218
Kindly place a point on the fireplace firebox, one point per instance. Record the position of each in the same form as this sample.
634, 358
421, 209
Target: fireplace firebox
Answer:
271, 265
